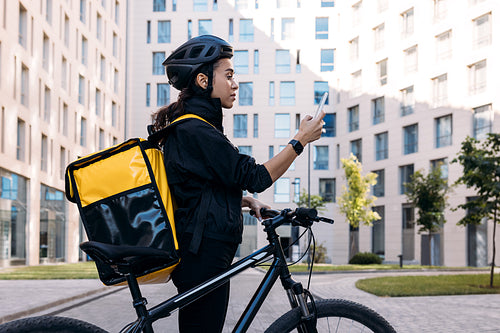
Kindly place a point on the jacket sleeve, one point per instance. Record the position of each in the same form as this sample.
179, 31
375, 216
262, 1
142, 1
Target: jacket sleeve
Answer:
210, 155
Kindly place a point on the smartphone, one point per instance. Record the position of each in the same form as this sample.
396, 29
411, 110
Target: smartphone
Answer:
321, 104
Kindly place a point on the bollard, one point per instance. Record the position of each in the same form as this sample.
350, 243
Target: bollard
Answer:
400, 260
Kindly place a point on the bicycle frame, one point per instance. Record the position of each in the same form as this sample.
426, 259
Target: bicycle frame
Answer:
277, 269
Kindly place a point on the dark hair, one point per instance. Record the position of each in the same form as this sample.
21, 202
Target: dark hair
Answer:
168, 113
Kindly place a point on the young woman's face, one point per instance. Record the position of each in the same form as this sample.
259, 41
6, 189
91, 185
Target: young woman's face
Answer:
224, 85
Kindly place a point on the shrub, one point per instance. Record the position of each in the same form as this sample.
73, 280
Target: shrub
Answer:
365, 258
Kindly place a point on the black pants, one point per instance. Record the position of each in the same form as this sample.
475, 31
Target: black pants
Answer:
208, 313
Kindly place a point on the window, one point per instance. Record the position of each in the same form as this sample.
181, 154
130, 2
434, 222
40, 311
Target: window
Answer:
296, 190
158, 58
241, 62
255, 125
200, 6
84, 50
231, 30
114, 114
439, 10
327, 189
378, 37
327, 3
282, 190
241, 4
320, 158
46, 52
379, 187
99, 27
23, 26
46, 104
83, 132
83, 10
21, 140
327, 60
282, 61
102, 139
282, 125
271, 93
204, 27
407, 23
246, 93
115, 45
256, 61
246, 30
66, 30
320, 87
357, 149
64, 73
64, 124
117, 13
407, 101
190, 29
482, 31
98, 102
272, 29
148, 94
271, 152
353, 115
159, 6
287, 28
162, 94
25, 92
287, 93
405, 173
440, 90
443, 131
356, 84
354, 48
116, 81
164, 31
477, 77
62, 162
81, 90
441, 163
240, 126
103, 69
410, 138
378, 232
411, 59
245, 150
356, 14
330, 126
381, 146
483, 121
443, 46
378, 110
321, 27
44, 161
382, 72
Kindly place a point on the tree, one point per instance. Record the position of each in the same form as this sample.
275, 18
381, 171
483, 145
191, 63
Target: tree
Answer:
316, 201
355, 202
481, 171
428, 195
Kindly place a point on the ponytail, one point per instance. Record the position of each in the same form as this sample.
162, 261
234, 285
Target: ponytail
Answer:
168, 113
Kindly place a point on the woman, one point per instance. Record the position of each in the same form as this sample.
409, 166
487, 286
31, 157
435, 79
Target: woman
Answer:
207, 174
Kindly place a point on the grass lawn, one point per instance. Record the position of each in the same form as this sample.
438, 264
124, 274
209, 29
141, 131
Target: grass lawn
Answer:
398, 286
82, 270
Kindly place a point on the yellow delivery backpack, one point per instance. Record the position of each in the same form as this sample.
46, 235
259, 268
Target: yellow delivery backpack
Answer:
124, 199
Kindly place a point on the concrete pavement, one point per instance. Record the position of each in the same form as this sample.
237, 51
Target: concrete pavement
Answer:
110, 307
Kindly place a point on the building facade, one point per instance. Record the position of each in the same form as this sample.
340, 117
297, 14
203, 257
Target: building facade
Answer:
408, 81
62, 75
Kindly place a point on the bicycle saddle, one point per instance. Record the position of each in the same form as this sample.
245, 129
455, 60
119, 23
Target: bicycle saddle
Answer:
123, 258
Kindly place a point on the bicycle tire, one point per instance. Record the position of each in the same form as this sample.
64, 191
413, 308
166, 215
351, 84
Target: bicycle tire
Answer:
335, 315
49, 324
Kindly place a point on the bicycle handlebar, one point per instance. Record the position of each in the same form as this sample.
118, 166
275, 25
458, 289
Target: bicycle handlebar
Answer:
304, 217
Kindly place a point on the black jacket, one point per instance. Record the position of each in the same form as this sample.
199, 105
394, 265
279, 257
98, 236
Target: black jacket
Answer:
205, 171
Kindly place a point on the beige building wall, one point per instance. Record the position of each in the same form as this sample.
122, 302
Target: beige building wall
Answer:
49, 119
420, 42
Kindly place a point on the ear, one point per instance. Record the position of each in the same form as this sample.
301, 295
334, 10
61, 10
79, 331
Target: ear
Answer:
202, 80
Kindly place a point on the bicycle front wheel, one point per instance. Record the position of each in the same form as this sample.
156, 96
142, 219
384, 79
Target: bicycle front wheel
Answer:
49, 324
335, 315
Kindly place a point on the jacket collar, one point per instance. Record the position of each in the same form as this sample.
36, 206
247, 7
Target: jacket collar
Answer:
208, 109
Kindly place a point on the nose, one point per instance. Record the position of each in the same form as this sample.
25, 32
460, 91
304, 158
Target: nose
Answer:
234, 85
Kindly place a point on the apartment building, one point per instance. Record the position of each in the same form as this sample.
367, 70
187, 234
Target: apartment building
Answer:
62, 88
408, 81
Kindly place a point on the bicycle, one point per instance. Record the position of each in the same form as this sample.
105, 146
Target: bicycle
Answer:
306, 315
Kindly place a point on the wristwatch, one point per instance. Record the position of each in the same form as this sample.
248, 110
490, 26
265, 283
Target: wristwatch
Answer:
297, 146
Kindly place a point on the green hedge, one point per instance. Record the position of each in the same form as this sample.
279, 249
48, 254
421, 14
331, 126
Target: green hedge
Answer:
365, 258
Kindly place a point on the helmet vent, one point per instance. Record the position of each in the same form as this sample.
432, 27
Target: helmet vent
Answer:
210, 52
196, 51
180, 55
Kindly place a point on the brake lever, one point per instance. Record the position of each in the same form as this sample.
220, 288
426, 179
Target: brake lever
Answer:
325, 219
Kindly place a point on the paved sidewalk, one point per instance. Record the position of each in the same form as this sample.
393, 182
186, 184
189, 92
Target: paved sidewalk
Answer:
109, 307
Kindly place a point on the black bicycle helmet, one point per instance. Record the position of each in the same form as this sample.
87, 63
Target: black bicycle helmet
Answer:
190, 56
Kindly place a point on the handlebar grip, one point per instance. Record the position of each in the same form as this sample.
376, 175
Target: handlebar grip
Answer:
266, 213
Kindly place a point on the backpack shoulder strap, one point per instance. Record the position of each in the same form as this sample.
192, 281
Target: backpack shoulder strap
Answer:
158, 135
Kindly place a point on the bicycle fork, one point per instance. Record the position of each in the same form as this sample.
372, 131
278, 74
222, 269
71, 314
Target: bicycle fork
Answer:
296, 296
